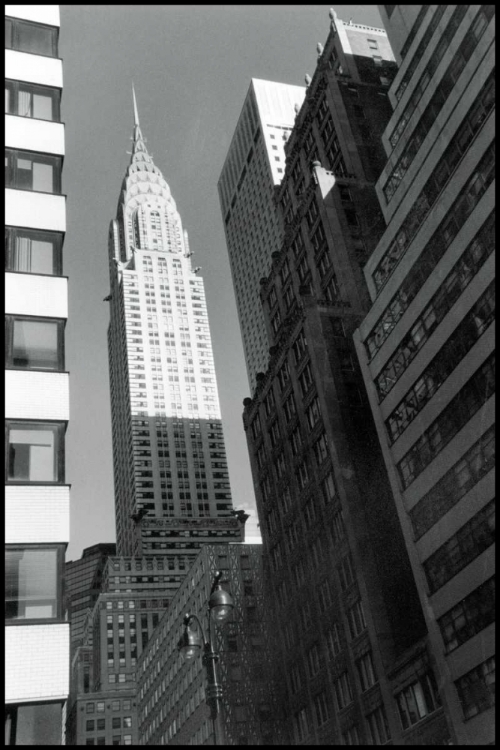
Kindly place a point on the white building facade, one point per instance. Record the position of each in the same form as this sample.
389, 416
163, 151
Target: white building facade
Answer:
255, 164
37, 388
171, 478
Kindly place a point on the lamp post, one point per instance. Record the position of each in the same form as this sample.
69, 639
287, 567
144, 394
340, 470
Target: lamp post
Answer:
193, 642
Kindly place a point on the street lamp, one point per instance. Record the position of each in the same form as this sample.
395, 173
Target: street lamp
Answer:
193, 642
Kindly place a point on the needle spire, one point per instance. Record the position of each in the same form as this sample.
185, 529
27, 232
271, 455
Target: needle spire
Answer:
136, 113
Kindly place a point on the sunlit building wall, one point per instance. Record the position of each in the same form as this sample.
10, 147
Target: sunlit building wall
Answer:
427, 347
37, 395
254, 165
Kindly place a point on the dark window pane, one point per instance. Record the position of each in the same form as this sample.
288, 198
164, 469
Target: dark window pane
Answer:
35, 344
31, 583
39, 40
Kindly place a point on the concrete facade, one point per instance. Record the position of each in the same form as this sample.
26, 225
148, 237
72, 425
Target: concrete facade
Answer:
37, 388
254, 165
426, 346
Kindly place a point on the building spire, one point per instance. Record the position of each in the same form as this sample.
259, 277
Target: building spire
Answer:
138, 138
136, 113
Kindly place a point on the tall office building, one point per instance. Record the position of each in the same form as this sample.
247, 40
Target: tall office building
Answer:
170, 469
82, 579
37, 386
134, 594
426, 346
347, 620
254, 165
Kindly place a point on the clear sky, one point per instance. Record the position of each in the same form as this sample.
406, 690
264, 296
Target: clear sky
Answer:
191, 66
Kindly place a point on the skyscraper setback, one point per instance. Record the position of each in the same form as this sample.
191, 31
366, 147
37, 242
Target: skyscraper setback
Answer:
170, 470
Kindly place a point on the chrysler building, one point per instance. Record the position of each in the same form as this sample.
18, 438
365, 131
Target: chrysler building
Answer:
170, 470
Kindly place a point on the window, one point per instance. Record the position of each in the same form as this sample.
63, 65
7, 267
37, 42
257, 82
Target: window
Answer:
25, 36
127, 721
418, 700
467, 544
313, 661
474, 613
30, 251
343, 692
333, 641
89, 725
351, 736
34, 343
476, 689
378, 726
325, 596
338, 528
301, 725
473, 395
35, 452
356, 619
89, 708
346, 572
464, 475
29, 100
321, 709
289, 408
116, 722
450, 355
329, 490
25, 170
366, 671
299, 347
461, 209
295, 678
302, 475
100, 707
101, 723
33, 582
305, 379
313, 413
321, 449
33, 724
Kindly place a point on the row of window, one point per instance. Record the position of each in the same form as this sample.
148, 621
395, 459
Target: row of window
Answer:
419, 52
429, 70
378, 727
126, 739
473, 121
476, 689
469, 617
456, 553
116, 723
482, 244
460, 276
472, 396
475, 187
440, 368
